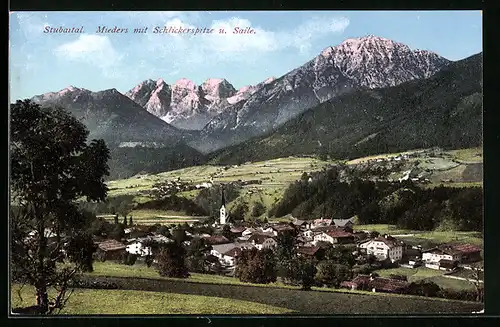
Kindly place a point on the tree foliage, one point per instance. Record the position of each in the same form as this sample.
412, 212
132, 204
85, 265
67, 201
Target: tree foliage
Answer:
52, 166
256, 266
332, 273
341, 192
172, 261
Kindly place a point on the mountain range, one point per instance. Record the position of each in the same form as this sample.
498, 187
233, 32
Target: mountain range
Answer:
138, 141
355, 92
444, 110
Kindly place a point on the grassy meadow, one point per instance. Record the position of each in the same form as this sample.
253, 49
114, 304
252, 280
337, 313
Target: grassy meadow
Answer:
424, 237
133, 302
422, 273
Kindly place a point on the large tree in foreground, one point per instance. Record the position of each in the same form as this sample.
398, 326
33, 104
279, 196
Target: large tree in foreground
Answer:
52, 166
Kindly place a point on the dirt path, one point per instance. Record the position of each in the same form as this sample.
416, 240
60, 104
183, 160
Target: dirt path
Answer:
312, 302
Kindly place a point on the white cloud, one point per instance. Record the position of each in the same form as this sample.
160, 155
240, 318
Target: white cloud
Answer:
95, 50
192, 49
303, 36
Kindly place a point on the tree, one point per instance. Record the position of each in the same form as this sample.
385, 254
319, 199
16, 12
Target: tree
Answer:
258, 209
226, 232
331, 273
197, 254
304, 272
477, 273
52, 167
179, 235
341, 255
256, 266
239, 211
285, 255
171, 261
118, 233
424, 288
163, 230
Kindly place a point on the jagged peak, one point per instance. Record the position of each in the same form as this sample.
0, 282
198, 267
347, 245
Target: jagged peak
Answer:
70, 88
269, 80
186, 83
160, 81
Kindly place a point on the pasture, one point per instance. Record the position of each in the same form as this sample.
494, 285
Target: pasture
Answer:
135, 302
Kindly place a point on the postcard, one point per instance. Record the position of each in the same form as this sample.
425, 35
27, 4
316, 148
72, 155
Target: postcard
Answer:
249, 163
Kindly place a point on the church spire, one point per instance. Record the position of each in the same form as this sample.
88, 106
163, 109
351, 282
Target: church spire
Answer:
223, 198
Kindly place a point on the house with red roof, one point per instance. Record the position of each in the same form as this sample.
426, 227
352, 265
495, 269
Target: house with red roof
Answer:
469, 252
376, 284
311, 252
216, 239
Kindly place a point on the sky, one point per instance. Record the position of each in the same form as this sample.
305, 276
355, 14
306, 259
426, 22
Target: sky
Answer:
284, 40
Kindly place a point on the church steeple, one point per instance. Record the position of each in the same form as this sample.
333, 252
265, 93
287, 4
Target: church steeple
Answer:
222, 211
223, 198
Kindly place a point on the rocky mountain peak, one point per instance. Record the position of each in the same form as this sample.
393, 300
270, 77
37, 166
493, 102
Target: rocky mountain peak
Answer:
218, 88
185, 84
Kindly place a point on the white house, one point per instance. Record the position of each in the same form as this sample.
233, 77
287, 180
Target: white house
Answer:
227, 253
383, 248
262, 241
137, 247
434, 255
248, 232
268, 230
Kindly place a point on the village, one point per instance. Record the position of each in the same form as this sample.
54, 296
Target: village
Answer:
311, 238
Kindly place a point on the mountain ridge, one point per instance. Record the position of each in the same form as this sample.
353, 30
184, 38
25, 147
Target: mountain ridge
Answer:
414, 114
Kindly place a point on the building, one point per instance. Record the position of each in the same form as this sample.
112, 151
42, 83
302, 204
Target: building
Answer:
344, 223
223, 217
262, 241
110, 250
311, 252
335, 237
469, 252
139, 246
216, 239
238, 231
376, 284
432, 256
383, 248
228, 253
279, 228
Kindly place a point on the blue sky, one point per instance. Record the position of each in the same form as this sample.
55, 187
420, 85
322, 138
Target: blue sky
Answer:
43, 62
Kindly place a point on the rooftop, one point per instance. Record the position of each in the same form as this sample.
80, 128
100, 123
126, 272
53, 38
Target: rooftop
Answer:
111, 245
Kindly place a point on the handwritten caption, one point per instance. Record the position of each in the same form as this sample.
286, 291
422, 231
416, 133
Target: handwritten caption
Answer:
154, 30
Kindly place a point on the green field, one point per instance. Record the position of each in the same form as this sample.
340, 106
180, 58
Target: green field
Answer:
422, 273
142, 291
142, 271
420, 237
274, 175
130, 302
